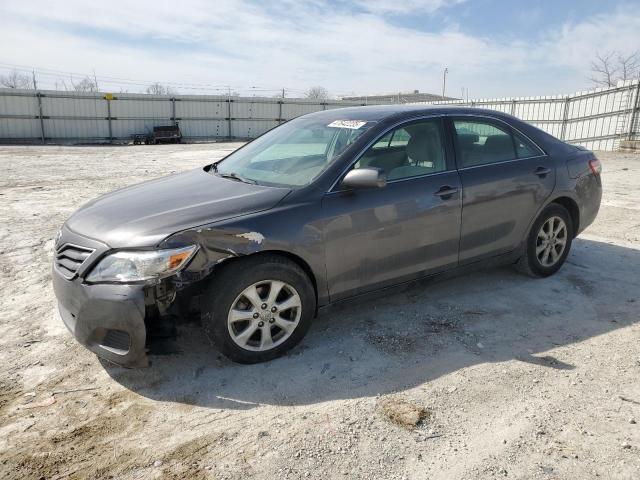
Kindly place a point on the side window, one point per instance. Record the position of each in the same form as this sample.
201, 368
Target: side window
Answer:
410, 151
400, 138
384, 142
524, 148
480, 143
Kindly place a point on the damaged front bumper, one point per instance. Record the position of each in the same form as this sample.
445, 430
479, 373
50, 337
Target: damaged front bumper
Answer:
108, 319
118, 321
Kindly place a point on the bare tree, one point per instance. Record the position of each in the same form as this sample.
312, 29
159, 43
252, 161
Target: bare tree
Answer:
156, 89
317, 93
604, 70
159, 89
611, 67
16, 79
629, 66
85, 85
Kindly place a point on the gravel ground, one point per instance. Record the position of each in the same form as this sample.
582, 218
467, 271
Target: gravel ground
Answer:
490, 375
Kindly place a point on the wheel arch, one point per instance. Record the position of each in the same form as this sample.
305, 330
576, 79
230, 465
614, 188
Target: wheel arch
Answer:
299, 261
566, 201
574, 211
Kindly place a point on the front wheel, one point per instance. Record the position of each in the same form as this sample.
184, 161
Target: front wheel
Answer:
257, 308
548, 243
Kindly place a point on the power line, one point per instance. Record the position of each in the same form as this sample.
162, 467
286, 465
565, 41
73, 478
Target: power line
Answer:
55, 77
110, 80
52, 71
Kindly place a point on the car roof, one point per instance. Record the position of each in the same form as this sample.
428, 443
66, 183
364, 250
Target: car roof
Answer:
384, 112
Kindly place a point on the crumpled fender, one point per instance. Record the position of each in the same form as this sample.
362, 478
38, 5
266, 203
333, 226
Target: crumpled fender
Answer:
248, 235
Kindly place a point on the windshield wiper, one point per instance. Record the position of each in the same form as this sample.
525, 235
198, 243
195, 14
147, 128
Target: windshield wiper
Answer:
235, 176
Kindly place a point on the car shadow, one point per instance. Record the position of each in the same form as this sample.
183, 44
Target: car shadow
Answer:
409, 338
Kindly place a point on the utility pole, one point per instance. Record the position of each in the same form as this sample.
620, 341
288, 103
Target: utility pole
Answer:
444, 81
95, 80
283, 93
35, 85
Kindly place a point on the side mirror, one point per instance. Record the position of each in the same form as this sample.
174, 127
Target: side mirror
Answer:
365, 178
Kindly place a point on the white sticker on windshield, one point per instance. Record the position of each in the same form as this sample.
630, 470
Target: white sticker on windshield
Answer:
352, 124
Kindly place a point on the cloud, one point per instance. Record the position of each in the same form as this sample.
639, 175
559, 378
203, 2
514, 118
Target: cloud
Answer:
348, 48
406, 6
576, 43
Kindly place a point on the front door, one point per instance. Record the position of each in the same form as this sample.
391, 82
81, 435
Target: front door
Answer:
410, 227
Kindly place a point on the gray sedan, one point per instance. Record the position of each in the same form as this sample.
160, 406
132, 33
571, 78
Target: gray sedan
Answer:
319, 210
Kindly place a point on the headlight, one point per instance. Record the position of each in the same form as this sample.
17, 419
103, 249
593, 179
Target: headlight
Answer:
134, 266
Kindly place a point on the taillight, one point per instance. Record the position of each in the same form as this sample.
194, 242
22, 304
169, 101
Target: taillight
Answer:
595, 166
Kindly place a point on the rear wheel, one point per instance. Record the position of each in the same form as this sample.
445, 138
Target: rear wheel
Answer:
548, 243
258, 308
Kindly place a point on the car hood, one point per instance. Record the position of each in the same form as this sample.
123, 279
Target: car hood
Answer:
143, 215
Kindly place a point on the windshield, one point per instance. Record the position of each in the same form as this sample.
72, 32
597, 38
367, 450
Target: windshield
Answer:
293, 154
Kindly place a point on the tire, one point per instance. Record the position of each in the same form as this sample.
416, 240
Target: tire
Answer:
260, 274
533, 262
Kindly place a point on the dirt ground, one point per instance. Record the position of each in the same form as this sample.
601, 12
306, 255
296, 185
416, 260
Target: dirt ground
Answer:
502, 375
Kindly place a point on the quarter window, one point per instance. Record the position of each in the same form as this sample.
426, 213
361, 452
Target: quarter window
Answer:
524, 148
409, 151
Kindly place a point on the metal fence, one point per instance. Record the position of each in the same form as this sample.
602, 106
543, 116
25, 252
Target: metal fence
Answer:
598, 119
28, 116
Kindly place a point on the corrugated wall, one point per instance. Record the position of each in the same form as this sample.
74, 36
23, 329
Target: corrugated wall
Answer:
597, 119
97, 117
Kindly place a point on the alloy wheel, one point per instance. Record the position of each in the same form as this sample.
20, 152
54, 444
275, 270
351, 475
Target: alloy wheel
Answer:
264, 315
551, 241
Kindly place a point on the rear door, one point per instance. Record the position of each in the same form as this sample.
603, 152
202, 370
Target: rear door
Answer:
505, 180
381, 236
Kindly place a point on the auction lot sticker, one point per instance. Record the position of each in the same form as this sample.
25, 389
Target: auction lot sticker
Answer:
352, 124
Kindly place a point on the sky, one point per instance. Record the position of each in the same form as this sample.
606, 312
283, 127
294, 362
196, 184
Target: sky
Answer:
359, 47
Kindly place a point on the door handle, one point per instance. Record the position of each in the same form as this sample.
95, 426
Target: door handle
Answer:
542, 171
445, 191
